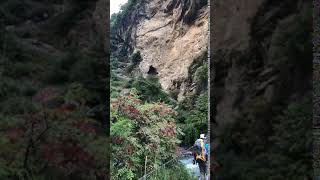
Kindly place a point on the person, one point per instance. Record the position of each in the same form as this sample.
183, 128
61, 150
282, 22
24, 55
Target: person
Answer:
199, 155
206, 147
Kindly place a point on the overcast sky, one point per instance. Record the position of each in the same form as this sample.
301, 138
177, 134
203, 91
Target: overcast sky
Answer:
115, 5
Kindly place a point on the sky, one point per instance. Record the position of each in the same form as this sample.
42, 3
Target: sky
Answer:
115, 5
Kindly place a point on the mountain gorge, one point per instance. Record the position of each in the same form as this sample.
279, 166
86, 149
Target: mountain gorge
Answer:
159, 85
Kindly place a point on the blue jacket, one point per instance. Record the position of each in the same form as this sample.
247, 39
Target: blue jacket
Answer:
206, 146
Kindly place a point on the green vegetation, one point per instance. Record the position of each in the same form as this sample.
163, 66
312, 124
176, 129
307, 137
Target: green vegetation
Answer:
177, 172
248, 152
35, 117
136, 58
140, 130
119, 18
193, 110
51, 104
149, 90
144, 124
193, 117
147, 122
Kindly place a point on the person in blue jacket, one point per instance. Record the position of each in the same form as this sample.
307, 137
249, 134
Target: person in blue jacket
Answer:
206, 146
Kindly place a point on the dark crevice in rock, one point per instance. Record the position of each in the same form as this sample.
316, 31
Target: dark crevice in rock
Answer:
152, 71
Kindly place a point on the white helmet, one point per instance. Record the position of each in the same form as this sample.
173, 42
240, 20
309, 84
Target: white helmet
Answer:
202, 136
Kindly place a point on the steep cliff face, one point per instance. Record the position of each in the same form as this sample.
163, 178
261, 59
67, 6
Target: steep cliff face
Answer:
261, 88
170, 35
251, 55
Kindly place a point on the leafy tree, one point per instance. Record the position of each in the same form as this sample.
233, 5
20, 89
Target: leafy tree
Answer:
193, 118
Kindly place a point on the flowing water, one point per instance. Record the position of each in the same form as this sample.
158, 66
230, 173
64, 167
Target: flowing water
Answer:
193, 169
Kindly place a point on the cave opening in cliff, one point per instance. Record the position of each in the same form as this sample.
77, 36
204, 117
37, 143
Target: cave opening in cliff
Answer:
152, 70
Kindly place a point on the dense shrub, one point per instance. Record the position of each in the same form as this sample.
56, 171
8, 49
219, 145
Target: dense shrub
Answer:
69, 143
282, 152
176, 172
136, 58
201, 77
149, 89
140, 131
130, 68
77, 94
193, 118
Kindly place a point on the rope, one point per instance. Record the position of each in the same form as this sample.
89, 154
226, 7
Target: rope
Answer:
159, 167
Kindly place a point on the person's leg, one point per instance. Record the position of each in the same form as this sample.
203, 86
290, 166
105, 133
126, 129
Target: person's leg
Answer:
202, 167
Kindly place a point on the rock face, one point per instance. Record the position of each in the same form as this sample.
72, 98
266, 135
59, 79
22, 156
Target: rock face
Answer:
169, 34
262, 60
170, 47
251, 58
232, 23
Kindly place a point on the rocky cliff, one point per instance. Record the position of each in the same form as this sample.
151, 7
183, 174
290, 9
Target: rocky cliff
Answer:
253, 57
170, 35
261, 88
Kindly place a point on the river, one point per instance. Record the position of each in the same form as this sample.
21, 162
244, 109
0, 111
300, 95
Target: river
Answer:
193, 169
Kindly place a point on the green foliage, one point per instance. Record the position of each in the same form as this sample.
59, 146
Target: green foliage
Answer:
130, 68
201, 77
149, 90
136, 58
53, 137
177, 172
193, 117
248, 151
272, 140
113, 62
119, 18
39, 140
140, 130
296, 32
77, 94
